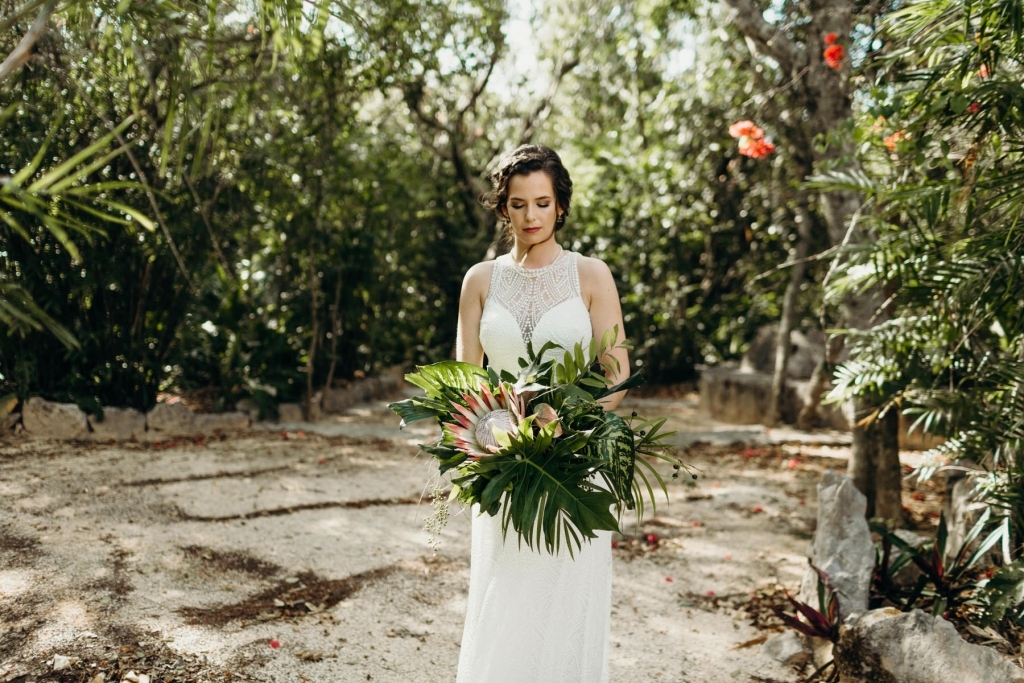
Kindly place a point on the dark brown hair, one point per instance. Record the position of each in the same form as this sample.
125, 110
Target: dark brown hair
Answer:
524, 160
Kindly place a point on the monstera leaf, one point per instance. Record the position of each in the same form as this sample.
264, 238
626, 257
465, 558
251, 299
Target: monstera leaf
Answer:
443, 383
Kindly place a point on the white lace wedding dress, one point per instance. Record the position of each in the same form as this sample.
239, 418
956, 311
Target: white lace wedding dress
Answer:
533, 617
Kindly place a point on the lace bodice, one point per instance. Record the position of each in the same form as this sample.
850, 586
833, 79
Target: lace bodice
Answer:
536, 304
532, 617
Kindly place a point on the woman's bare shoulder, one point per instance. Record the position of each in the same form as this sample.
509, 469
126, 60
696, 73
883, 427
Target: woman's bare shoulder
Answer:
478, 279
593, 270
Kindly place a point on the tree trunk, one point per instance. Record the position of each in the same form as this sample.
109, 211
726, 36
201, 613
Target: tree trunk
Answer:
821, 96
874, 458
314, 331
335, 330
782, 343
874, 461
819, 380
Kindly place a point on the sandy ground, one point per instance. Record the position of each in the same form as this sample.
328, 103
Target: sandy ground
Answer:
191, 561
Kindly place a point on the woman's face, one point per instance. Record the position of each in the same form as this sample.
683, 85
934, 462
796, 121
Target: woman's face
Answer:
531, 207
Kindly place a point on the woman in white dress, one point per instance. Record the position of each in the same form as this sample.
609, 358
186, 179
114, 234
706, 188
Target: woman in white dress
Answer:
533, 617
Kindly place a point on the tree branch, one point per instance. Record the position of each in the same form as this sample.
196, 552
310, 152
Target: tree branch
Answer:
750, 22
23, 52
478, 90
18, 13
530, 124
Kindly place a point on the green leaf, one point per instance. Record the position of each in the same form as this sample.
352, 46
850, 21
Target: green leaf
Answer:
612, 443
440, 379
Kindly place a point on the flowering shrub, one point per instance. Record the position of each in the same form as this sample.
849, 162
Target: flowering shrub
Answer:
751, 140
891, 140
833, 55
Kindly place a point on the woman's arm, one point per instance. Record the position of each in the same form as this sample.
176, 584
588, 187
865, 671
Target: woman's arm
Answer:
471, 306
601, 296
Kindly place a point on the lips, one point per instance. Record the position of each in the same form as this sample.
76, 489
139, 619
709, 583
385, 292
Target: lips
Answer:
531, 231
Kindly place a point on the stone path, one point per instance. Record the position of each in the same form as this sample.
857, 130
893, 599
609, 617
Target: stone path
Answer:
297, 554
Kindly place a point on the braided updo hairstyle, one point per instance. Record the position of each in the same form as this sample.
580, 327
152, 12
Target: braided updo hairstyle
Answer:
524, 160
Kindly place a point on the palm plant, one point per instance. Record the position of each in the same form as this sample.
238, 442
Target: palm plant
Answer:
945, 197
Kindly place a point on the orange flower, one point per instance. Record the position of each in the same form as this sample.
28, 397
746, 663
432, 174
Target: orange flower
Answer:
833, 55
891, 140
830, 38
745, 129
755, 148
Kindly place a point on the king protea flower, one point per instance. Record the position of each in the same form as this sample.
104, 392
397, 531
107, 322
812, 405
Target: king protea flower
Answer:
474, 433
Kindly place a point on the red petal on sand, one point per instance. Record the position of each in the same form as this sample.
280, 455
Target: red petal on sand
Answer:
275, 643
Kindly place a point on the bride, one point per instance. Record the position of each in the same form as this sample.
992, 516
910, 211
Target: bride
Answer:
533, 617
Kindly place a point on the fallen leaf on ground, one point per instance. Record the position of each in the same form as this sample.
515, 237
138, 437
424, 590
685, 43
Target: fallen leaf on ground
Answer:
750, 643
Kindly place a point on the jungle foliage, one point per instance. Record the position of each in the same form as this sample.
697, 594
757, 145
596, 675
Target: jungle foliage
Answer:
270, 202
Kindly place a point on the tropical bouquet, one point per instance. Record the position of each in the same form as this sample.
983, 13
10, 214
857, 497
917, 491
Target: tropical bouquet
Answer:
538, 447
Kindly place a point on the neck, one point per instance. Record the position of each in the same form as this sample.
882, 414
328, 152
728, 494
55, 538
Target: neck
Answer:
537, 255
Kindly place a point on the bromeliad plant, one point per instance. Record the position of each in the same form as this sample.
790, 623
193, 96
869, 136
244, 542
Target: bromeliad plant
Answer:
538, 447
946, 579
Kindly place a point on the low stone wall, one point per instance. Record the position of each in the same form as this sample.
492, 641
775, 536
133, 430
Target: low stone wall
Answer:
43, 419
736, 395
739, 396
339, 400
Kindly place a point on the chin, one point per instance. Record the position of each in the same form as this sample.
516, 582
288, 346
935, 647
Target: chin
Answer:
538, 237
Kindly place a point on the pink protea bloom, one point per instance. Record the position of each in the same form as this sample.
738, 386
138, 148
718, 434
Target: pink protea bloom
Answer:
477, 421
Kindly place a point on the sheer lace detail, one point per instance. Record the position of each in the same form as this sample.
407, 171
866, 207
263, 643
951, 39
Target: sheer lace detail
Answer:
532, 617
529, 293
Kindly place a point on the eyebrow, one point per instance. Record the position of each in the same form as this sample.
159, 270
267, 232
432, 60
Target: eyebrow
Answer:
523, 199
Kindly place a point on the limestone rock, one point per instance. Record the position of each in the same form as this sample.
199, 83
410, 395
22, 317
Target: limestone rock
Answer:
842, 547
289, 412
731, 394
907, 576
962, 512
221, 423
888, 646
171, 419
337, 400
46, 420
807, 350
119, 424
788, 647
8, 421
249, 407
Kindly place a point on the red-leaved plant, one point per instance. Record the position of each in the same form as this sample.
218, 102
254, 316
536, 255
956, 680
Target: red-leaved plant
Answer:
822, 622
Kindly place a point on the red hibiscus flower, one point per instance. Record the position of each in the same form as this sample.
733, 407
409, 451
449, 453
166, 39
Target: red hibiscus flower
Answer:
830, 38
755, 148
834, 56
974, 108
745, 129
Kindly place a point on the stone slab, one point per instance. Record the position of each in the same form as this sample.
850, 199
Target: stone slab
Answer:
914, 647
47, 420
118, 424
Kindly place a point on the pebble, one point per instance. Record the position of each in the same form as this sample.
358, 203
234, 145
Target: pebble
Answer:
60, 662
